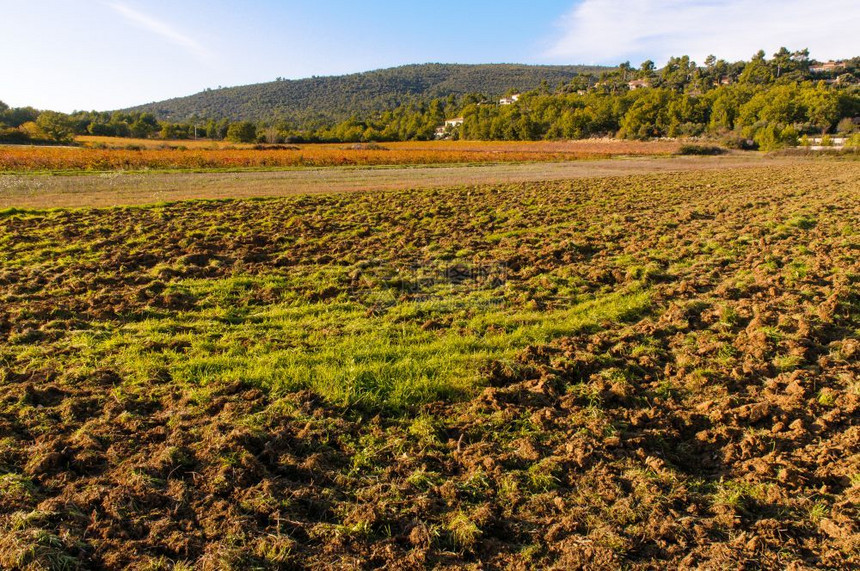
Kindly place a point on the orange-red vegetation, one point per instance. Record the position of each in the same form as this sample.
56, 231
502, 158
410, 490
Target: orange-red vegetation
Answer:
216, 156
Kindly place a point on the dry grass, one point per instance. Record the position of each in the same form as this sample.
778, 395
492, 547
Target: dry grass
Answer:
119, 189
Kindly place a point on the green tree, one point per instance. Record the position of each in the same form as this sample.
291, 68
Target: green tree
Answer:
141, 129
724, 108
242, 132
822, 106
648, 116
757, 71
172, 131
17, 116
846, 126
677, 73
58, 127
217, 129
781, 62
768, 138
686, 116
646, 69
789, 136
144, 126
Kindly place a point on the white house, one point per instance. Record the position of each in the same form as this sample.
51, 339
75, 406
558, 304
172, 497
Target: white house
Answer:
638, 84
444, 131
817, 143
509, 100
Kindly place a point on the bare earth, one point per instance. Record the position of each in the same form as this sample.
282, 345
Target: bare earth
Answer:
665, 376
123, 189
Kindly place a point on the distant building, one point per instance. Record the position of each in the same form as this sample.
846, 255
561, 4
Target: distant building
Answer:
444, 131
638, 84
725, 80
827, 67
509, 100
822, 144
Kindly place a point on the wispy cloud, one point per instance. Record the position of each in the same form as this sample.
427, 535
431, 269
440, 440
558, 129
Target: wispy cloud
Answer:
611, 31
162, 29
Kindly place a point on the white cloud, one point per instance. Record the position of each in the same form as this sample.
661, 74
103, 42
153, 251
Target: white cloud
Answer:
611, 31
163, 29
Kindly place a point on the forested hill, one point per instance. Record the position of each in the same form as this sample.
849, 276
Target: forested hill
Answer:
340, 97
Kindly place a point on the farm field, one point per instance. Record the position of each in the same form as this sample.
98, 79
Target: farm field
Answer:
29, 190
595, 145
623, 370
191, 155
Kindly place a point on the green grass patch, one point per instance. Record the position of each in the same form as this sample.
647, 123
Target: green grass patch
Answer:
338, 349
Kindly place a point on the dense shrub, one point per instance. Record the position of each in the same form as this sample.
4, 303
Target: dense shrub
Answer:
740, 143
701, 150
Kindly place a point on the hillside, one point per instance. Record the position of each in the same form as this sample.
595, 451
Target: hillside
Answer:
339, 97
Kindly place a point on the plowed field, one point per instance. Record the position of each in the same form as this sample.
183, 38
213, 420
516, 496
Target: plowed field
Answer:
641, 371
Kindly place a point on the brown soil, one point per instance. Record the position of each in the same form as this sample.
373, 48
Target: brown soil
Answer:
722, 430
125, 189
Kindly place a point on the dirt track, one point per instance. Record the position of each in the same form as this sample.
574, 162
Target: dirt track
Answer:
119, 189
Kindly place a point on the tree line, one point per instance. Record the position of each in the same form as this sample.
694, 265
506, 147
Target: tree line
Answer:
762, 103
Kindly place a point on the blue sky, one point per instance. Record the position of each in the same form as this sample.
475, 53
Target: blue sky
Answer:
107, 54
